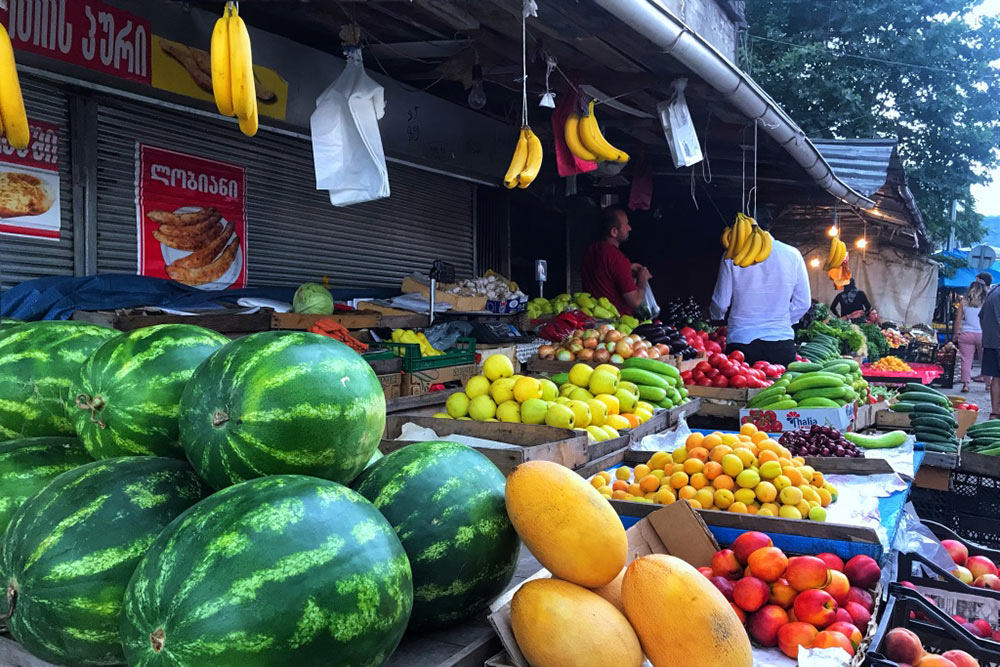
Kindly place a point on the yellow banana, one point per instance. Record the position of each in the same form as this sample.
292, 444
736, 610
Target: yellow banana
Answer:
841, 253
517, 162
750, 248
734, 238
765, 248
15, 120
533, 162
571, 132
725, 237
248, 126
744, 229
831, 255
241, 67
594, 141
222, 88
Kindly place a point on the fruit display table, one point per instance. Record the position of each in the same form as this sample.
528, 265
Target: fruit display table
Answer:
923, 373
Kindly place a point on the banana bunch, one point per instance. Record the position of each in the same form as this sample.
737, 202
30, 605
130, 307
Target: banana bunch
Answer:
838, 253
585, 141
746, 243
13, 118
526, 162
232, 70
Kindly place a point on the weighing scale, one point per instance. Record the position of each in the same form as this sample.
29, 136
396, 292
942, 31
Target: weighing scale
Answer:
495, 332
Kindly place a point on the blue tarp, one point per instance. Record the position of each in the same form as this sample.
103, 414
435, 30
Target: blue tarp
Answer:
56, 298
964, 276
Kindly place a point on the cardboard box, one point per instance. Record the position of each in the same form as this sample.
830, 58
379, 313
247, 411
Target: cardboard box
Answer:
965, 419
465, 304
419, 382
390, 384
484, 352
779, 421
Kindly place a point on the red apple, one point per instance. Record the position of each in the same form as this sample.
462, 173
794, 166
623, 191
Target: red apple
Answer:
816, 607
805, 572
980, 565
782, 594
963, 575
984, 627
863, 572
849, 630
838, 587
724, 585
988, 581
795, 634
748, 542
764, 624
750, 593
861, 616
768, 563
827, 639
707, 571
902, 645
958, 551
740, 614
724, 564
833, 561
960, 658
862, 597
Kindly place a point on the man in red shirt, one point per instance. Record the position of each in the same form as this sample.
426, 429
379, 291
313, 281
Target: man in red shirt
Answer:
607, 271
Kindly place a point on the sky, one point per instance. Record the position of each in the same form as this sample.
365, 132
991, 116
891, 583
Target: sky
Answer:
988, 196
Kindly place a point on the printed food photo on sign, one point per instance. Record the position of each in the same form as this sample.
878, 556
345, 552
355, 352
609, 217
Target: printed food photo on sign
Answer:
192, 219
29, 185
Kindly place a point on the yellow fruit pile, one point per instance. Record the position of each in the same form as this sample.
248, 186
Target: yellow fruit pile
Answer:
890, 363
593, 401
415, 338
747, 473
233, 85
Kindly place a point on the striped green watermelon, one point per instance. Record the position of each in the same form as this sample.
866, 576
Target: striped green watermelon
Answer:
71, 548
129, 393
8, 322
446, 503
282, 402
39, 363
28, 464
280, 570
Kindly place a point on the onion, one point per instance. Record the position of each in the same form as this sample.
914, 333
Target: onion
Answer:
546, 352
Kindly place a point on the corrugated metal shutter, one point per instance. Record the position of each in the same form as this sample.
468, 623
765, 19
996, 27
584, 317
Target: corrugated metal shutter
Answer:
294, 234
23, 258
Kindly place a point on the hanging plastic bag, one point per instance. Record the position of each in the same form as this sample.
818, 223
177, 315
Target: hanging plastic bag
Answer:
347, 147
678, 127
649, 304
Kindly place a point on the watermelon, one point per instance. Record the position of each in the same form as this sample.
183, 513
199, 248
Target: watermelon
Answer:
282, 402
129, 393
8, 322
71, 548
280, 570
39, 363
28, 464
446, 503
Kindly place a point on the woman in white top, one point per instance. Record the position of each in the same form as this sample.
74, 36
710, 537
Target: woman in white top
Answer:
968, 332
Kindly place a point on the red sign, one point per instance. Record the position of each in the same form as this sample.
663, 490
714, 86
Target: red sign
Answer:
88, 33
191, 219
29, 184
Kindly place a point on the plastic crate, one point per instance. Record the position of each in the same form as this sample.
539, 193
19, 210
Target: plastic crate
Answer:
464, 352
921, 353
955, 511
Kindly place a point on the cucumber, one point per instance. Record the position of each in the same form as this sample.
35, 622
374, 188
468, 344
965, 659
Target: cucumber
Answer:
924, 397
640, 377
804, 366
940, 448
881, 441
932, 420
901, 407
771, 400
839, 369
786, 404
916, 386
814, 381
851, 364
652, 393
992, 451
934, 437
823, 392
653, 366
931, 408
817, 402
665, 403
980, 443
928, 431
765, 397
673, 394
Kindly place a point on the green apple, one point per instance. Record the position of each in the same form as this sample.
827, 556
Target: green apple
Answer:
502, 390
482, 408
582, 413
457, 405
560, 416
603, 382
549, 390
598, 433
598, 412
533, 411
626, 400
581, 394
509, 411
580, 375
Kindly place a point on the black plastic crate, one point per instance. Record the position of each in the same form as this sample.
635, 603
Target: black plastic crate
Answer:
921, 353
954, 511
943, 532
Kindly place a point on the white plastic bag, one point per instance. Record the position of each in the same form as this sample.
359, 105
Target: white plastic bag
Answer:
649, 301
678, 127
347, 147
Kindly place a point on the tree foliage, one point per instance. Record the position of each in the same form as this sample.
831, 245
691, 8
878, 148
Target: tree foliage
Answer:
917, 70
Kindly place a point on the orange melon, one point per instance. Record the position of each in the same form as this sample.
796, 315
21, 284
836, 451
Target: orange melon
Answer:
677, 614
612, 591
566, 524
557, 624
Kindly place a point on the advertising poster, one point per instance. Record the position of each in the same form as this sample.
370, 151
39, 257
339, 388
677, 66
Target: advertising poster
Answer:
29, 185
191, 219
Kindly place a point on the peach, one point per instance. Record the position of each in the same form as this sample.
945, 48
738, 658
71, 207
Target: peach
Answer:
931, 660
960, 658
768, 563
764, 624
975, 630
839, 587
862, 597
849, 630
724, 564
980, 565
961, 620
902, 645
962, 574
748, 542
988, 581
805, 572
995, 635
984, 627
793, 635
740, 614
861, 616
863, 571
782, 594
958, 551
842, 616
707, 571
833, 561
816, 607
724, 585
750, 593
827, 639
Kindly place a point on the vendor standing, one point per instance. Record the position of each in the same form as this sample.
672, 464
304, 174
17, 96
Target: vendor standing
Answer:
851, 304
764, 301
607, 271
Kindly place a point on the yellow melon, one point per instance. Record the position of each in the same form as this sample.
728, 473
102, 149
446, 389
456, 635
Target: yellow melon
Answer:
566, 524
557, 624
678, 613
612, 591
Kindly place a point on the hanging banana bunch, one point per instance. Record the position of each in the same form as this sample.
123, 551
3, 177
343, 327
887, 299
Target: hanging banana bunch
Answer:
527, 160
838, 253
13, 119
745, 242
585, 141
232, 70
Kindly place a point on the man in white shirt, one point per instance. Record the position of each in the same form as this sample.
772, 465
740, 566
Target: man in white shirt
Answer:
763, 301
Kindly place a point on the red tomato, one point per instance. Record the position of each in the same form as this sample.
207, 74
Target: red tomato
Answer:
729, 370
697, 374
737, 355
717, 360
703, 366
781, 369
739, 382
720, 382
760, 364
771, 371
712, 346
704, 382
711, 374
703, 335
686, 331
686, 375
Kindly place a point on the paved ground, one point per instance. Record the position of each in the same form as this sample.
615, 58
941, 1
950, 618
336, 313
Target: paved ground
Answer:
978, 393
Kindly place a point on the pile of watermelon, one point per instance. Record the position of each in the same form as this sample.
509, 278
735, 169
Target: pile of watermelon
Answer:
170, 497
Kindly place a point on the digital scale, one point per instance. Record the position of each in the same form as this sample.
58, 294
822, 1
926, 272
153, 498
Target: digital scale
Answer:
494, 332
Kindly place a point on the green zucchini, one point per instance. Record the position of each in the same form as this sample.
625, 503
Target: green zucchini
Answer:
839, 369
817, 402
787, 404
920, 396
901, 406
804, 366
640, 377
652, 393
851, 364
814, 381
932, 408
652, 366
823, 392
880, 441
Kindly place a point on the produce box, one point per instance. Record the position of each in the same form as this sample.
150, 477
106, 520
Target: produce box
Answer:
887, 419
515, 443
419, 382
465, 304
778, 421
866, 414
390, 384
505, 307
965, 419
718, 402
484, 352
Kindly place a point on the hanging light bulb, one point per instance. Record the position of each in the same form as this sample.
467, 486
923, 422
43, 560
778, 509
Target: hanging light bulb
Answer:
833, 231
814, 262
861, 242
477, 96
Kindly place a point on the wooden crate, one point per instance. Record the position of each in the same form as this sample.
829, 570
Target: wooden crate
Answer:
515, 443
553, 366
892, 420
419, 382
